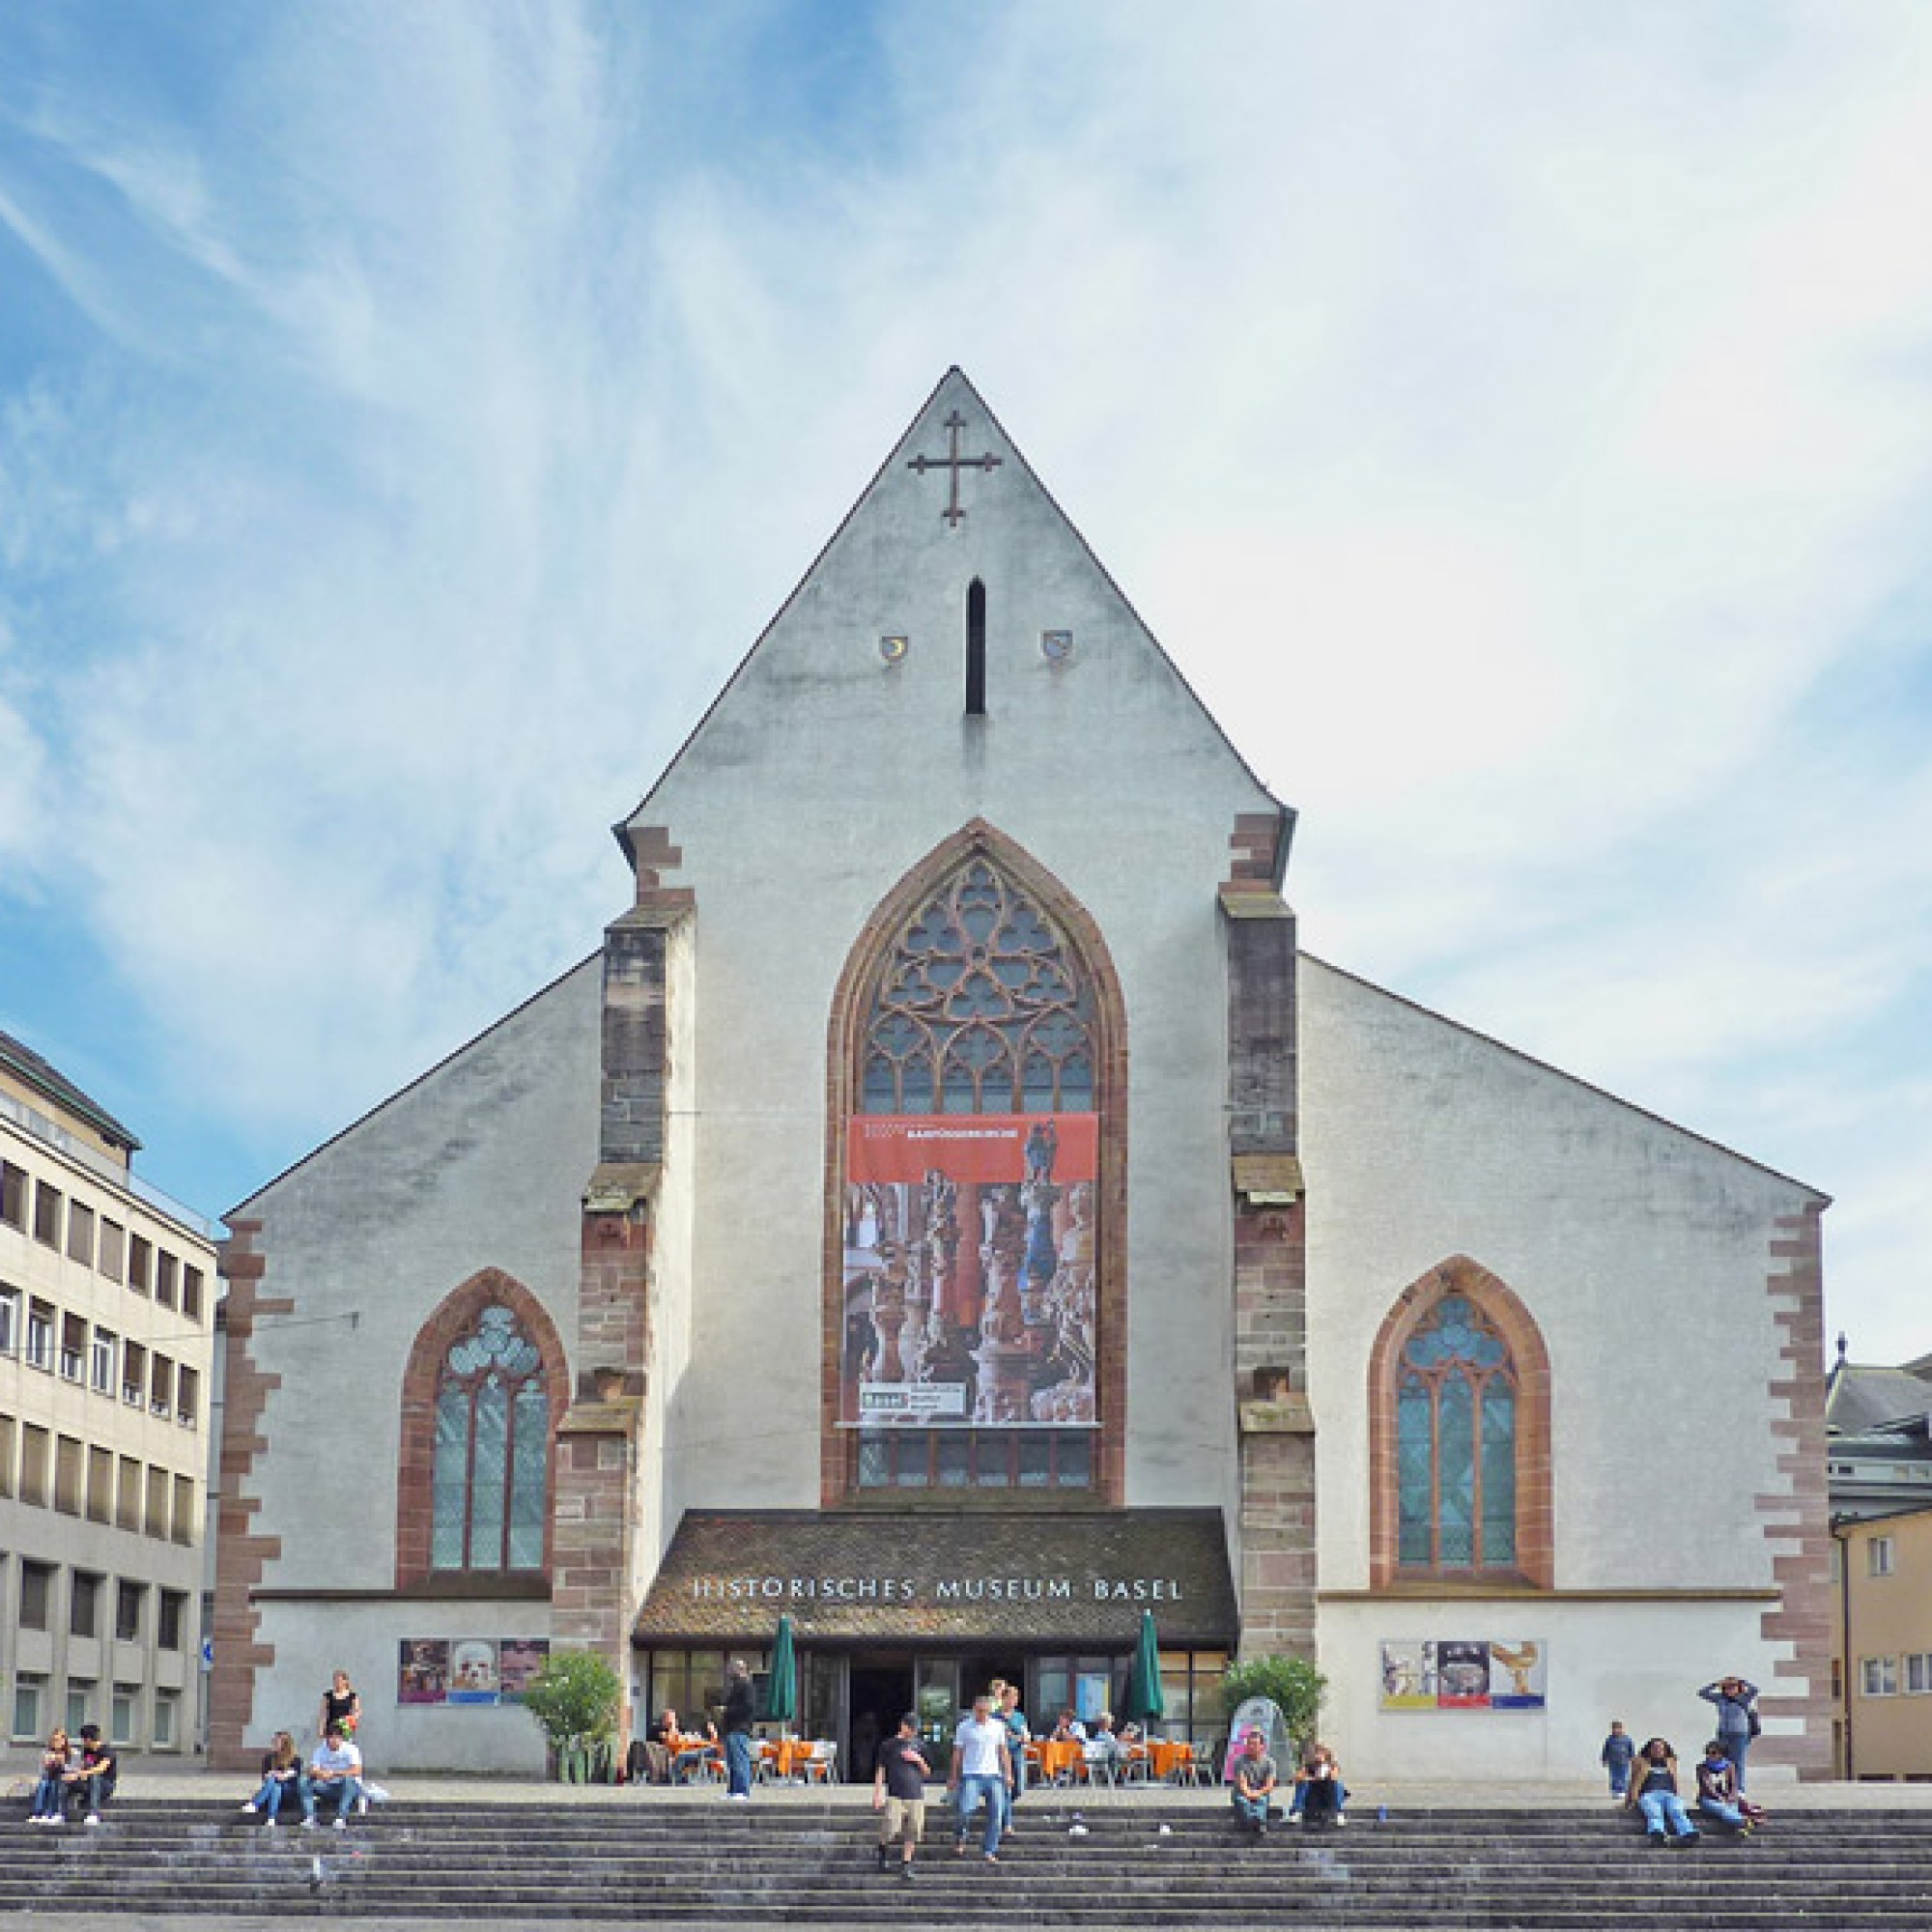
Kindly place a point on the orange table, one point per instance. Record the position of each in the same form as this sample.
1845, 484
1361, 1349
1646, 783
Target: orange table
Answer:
787, 1756
1061, 1762
1168, 1757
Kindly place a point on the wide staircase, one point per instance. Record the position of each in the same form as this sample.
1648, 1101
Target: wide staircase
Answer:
811, 1861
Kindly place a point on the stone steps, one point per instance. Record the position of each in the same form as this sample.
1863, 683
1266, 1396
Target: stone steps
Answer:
812, 1864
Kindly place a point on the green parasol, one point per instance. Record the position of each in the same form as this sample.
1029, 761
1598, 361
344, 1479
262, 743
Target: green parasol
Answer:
1143, 1702
782, 1690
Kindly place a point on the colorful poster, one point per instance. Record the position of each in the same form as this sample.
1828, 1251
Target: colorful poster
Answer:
1516, 1675
1408, 1675
424, 1676
969, 1270
519, 1659
472, 1672
1494, 1674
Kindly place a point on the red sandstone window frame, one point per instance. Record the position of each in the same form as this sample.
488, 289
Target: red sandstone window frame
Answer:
1535, 1565
454, 1317
850, 1018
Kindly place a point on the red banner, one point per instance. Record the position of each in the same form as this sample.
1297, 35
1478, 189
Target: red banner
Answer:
974, 1147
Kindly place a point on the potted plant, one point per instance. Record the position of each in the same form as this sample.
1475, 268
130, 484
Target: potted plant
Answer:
574, 1696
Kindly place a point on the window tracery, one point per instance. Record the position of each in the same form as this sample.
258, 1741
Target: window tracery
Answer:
491, 1472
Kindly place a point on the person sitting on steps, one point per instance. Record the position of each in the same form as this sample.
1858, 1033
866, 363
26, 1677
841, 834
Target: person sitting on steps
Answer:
1255, 1778
282, 1777
1718, 1793
1654, 1791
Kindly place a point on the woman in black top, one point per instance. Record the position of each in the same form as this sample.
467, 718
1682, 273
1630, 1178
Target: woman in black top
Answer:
340, 1705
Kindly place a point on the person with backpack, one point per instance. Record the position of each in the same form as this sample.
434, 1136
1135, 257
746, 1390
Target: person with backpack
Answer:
1736, 1699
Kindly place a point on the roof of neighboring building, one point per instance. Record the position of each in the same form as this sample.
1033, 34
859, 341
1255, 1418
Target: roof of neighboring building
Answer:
1860, 1398
24, 1064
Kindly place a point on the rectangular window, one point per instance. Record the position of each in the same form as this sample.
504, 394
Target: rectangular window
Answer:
140, 1264
167, 1273
100, 1485
41, 1335
103, 1360
28, 1692
166, 1708
162, 1386
127, 1504
122, 1714
1878, 1676
134, 1375
47, 1205
1918, 1673
110, 1249
168, 1625
155, 1522
36, 1453
83, 1604
10, 1320
192, 1293
80, 1695
70, 1460
183, 1523
73, 1347
8, 1442
81, 1234
14, 1196
36, 1589
1879, 1556
127, 1610
188, 1398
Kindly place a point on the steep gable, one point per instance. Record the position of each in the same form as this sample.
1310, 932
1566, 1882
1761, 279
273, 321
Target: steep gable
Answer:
1070, 668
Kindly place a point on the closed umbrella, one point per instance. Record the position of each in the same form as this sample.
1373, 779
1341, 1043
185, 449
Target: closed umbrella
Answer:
1144, 1703
781, 1693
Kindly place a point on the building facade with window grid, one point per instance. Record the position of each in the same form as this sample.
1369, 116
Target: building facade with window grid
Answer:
106, 1345
950, 1208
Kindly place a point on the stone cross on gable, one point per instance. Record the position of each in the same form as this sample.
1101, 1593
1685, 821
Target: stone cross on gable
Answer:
953, 463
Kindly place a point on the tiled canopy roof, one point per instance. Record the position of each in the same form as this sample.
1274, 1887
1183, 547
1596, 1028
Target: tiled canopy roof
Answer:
1082, 1578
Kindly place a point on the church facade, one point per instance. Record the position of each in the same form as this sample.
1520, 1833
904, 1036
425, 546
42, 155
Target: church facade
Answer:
949, 1209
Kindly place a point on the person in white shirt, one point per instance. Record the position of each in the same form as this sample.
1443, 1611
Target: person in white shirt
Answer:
981, 1770
335, 1772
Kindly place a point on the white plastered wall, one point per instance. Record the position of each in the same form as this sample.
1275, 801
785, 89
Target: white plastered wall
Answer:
1642, 1252
482, 1163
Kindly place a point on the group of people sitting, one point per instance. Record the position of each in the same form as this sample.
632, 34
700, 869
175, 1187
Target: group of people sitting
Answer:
74, 1778
1318, 1797
332, 1775
1654, 1791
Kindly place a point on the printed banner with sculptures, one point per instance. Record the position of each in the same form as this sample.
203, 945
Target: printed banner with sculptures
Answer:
1463, 1674
969, 1270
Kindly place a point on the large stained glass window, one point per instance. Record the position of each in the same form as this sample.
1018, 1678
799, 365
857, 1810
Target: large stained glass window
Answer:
969, 1358
490, 1482
1456, 1435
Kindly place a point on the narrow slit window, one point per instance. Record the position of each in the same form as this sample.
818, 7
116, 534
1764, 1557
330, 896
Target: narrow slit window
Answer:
975, 649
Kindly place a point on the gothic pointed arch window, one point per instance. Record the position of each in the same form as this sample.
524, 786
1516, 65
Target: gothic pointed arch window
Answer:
1460, 1435
967, 1289
482, 1396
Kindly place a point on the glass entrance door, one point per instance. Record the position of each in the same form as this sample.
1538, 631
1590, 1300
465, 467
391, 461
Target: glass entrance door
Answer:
936, 1699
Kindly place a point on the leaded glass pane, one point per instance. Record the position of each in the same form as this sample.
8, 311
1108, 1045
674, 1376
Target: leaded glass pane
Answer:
529, 1477
1498, 1473
876, 1468
1035, 1463
955, 1459
1455, 1474
1074, 1466
489, 1472
1416, 1472
449, 1480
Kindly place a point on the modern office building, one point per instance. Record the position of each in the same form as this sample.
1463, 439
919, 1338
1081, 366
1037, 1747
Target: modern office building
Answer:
106, 1323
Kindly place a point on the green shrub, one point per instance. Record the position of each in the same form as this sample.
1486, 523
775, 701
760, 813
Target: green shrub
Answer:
1291, 1684
574, 1696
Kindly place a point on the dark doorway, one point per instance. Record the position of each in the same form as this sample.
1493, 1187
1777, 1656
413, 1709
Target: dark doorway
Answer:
878, 1696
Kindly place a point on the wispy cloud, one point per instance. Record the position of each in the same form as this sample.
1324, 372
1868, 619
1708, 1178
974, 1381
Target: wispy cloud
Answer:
1513, 420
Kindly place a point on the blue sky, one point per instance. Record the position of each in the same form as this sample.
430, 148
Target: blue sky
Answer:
1517, 420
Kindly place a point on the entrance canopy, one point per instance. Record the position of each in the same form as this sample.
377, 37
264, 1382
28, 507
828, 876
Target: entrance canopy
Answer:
1074, 1578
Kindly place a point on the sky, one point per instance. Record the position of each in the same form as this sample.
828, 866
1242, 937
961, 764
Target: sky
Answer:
1516, 420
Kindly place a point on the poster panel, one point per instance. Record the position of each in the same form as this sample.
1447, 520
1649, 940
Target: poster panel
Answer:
519, 1659
424, 1674
1493, 1674
473, 1670
969, 1270
1408, 1675
1516, 1674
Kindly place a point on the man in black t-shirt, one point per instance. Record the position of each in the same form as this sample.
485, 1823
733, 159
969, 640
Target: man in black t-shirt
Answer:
898, 1794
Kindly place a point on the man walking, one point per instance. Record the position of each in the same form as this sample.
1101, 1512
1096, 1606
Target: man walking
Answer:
898, 1794
981, 1770
740, 1703
1014, 1717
